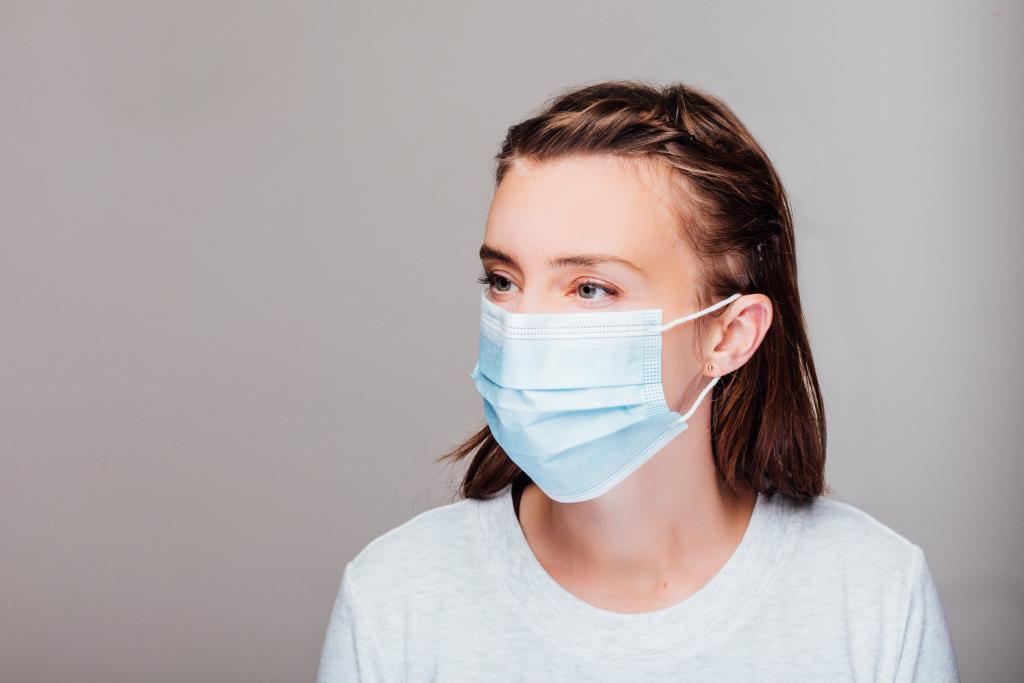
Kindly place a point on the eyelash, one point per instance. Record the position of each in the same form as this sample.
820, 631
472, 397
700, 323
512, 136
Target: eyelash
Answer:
487, 278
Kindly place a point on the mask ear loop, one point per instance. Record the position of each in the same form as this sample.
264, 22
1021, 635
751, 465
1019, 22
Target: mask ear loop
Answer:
700, 397
678, 321
713, 307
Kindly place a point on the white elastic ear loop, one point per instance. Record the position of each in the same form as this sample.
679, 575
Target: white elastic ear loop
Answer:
713, 307
700, 397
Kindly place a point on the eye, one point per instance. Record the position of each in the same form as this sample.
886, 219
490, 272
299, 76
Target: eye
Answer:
494, 281
589, 289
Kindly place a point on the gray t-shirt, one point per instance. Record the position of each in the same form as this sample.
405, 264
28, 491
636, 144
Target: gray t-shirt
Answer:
820, 592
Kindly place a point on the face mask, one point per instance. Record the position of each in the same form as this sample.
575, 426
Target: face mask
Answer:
575, 399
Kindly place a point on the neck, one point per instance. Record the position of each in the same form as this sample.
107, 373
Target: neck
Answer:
674, 517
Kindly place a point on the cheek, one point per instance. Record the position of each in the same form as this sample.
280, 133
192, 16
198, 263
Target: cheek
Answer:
679, 367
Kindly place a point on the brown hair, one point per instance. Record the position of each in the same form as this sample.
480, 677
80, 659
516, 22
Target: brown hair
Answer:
767, 417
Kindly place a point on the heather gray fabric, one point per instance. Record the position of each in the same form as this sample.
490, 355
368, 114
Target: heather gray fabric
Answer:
823, 592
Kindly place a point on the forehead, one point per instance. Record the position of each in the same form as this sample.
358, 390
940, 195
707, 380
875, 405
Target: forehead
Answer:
588, 203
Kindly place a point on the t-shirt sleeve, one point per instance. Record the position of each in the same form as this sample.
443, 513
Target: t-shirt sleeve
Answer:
351, 650
927, 651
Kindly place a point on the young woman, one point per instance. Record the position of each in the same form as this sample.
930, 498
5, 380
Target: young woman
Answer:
647, 500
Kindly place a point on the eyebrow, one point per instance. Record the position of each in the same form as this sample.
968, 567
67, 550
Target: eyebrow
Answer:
591, 259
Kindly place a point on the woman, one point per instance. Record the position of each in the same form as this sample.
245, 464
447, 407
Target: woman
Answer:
614, 525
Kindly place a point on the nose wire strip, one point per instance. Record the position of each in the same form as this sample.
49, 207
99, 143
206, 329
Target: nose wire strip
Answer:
714, 307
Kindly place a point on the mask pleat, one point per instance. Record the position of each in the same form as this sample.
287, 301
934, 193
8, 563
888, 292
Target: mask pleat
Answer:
575, 399
544, 434
565, 364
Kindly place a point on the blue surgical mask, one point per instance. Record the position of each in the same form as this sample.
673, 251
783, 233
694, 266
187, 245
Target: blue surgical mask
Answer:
576, 399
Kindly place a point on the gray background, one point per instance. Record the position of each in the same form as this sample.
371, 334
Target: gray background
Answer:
238, 308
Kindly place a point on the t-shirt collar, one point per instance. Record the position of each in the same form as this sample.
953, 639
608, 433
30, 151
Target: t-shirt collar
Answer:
687, 625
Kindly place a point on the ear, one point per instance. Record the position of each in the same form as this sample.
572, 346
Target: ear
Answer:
734, 335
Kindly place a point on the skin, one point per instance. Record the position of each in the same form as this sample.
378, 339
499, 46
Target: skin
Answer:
664, 531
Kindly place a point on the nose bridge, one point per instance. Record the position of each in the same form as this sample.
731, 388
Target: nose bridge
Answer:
537, 303
539, 299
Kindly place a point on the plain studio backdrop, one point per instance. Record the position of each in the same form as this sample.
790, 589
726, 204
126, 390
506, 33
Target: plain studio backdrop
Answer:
238, 306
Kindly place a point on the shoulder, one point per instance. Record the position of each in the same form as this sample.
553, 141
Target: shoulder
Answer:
850, 564
393, 588
849, 542
419, 555
837, 520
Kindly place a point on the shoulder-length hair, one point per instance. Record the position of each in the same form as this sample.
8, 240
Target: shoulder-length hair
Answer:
767, 417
